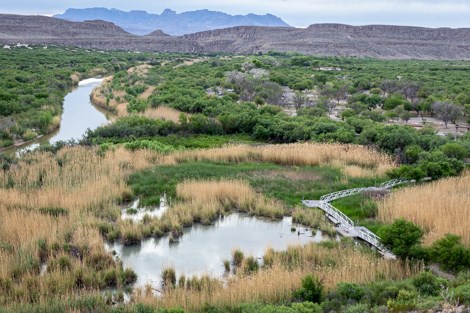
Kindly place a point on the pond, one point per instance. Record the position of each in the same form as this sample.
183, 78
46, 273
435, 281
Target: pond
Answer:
202, 249
78, 115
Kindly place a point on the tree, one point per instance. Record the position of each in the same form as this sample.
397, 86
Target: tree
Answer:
403, 238
299, 100
411, 91
390, 86
405, 116
447, 112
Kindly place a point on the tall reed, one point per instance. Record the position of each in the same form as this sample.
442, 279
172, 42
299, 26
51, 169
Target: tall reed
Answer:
276, 282
440, 207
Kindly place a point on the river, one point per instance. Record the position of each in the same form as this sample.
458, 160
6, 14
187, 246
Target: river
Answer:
78, 115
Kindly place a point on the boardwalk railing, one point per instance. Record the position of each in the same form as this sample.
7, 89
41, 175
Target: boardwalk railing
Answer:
345, 222
340, 217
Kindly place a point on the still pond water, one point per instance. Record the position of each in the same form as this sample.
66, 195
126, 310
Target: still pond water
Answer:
202, 249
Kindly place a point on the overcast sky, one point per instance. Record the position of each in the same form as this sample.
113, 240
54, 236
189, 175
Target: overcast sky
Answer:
430, 13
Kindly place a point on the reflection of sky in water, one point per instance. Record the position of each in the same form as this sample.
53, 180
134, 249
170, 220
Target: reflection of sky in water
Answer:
202, 249
142, 212
78, 115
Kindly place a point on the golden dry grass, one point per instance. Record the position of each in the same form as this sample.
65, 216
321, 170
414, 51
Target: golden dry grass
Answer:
163, 113
356, 161
233, 195
81, 180
440, 207
275, 284
89, 184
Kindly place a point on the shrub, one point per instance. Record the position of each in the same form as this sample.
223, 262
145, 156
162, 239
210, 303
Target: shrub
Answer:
311, 290
406, 301
357, 308
402, 237
451, 254
128, 277
251, 265
462, 294
428, 284
227, 265
307, 307
56, 212
110, 278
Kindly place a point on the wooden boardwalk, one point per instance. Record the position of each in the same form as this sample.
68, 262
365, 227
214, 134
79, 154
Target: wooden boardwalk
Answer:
344, 225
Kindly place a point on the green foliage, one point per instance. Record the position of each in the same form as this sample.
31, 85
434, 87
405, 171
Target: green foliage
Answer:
428, 284
311, 290
451, 254
405, 302
462, 294
33, 84
402, 238
454, 150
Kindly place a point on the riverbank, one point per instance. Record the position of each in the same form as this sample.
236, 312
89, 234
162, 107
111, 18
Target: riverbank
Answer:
76, 117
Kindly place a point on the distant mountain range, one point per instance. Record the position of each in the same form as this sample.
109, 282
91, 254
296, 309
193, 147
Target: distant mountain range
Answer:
377, 41
170, 22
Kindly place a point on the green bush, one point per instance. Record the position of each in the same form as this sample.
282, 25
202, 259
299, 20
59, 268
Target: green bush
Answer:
462, 294
402, 238
428, 284
405, 301
311, 290
451, 254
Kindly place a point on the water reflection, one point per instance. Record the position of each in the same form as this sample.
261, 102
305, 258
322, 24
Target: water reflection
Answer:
78, 115
202, 249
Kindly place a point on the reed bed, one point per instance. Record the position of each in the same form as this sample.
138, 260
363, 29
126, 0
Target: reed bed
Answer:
163, 113
440, 207
55, 209
358, 161
203, 202
229, 195
276, 282
50, 206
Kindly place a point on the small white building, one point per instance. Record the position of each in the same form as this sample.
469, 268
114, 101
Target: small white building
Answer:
7, 47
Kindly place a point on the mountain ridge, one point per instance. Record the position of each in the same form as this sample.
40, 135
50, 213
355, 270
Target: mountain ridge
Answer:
141, 22
376, 41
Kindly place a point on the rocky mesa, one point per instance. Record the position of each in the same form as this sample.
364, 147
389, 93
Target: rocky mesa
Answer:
378, 41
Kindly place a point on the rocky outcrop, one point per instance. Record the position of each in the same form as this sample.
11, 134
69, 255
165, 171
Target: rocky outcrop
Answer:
378, 41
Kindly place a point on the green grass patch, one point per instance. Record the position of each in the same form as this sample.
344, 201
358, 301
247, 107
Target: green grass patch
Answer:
361, 209
288, 184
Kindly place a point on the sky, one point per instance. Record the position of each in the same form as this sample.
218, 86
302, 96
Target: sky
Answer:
300, 13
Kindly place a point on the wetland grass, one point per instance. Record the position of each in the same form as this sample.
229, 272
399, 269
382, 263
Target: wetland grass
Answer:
274, 283
441, 207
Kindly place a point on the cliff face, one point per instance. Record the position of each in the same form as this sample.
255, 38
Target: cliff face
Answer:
379, 41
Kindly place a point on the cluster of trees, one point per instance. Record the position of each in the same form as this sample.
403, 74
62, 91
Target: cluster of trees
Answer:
422, 152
